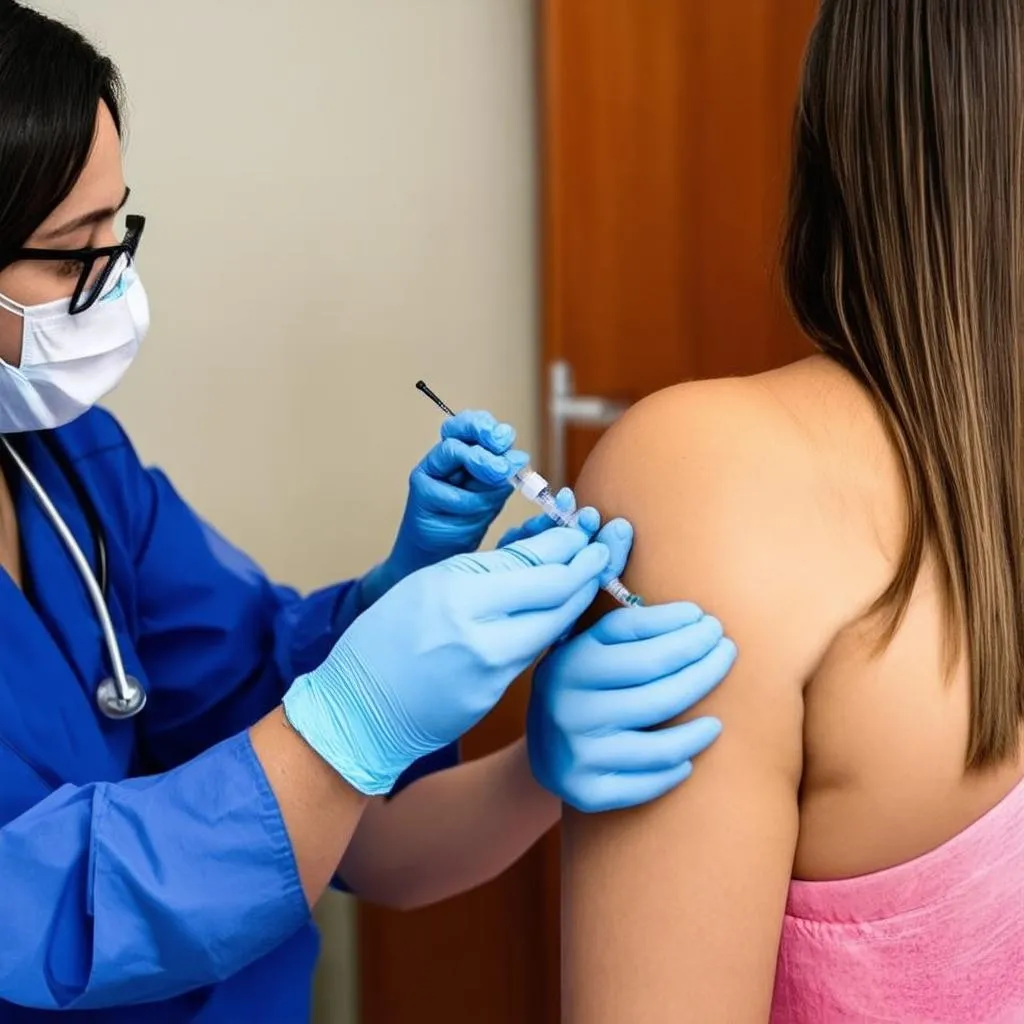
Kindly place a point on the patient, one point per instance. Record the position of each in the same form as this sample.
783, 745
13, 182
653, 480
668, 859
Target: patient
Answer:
852, 848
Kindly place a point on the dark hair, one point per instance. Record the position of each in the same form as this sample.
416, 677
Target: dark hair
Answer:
905, 261
51, 83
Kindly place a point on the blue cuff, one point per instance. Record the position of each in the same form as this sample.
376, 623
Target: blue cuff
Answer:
192, 878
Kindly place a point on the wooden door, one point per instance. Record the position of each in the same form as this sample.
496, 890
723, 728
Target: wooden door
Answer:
664, 138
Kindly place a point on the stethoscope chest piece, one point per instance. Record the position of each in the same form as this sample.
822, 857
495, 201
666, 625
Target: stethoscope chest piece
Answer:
120, 695
117, 705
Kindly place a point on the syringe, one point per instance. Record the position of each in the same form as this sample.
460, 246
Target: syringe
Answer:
532, 486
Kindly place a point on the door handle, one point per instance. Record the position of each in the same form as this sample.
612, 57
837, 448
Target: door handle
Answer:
566, 409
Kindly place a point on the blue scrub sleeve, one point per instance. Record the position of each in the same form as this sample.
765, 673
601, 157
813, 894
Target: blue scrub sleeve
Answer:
121, 893
220, 642
217, 641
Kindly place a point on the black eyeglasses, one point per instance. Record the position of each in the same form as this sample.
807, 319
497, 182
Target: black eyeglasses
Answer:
96, 263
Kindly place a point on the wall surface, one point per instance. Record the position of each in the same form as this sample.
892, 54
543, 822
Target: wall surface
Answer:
340, 200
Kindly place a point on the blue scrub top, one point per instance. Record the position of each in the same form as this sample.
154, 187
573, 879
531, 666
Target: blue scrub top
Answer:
146, 861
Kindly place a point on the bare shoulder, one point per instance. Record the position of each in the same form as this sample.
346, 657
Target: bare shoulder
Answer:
733, 504
733, 437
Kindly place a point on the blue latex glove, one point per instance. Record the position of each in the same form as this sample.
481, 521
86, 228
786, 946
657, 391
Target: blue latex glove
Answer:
617, 535
436, 653
598, 699
589, 520
455, 493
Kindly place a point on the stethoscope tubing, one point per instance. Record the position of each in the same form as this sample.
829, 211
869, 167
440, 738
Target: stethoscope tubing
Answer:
127, 693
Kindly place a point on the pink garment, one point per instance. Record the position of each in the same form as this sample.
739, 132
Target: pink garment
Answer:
939, 939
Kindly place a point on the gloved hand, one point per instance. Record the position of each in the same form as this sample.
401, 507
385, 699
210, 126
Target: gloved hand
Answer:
455, 493
594, 697
597, 700
588, 520
617, 535
436, 653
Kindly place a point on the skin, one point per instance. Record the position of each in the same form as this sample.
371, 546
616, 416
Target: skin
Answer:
445, 833
777, 503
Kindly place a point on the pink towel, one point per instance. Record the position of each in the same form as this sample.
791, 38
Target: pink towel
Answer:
939, 939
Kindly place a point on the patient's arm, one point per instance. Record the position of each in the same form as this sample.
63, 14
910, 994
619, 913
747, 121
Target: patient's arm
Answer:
672, 912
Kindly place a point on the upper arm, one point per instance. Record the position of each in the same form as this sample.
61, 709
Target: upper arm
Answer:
672, 912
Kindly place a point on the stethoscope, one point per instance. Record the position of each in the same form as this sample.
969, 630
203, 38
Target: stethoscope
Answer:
120, 695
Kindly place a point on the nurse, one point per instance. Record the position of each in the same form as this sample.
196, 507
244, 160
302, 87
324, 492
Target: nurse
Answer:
172, 857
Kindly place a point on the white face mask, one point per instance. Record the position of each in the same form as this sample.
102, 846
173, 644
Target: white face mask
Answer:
68, 363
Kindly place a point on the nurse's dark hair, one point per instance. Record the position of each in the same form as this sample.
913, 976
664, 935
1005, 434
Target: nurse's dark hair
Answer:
51, 83
904, 260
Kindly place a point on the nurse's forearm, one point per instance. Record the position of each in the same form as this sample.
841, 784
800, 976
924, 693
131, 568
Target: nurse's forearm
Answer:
320, 809
449, 831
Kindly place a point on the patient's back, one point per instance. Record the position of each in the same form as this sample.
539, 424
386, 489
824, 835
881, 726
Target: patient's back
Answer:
885, 730
908, 895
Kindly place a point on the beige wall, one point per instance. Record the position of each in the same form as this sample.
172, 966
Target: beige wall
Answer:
340, 199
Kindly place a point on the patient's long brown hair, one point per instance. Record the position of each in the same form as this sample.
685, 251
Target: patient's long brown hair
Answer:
904, 260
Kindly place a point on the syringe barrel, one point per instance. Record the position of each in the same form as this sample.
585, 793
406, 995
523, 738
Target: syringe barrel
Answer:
535, 488
532, 486
617, 589
529, 483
